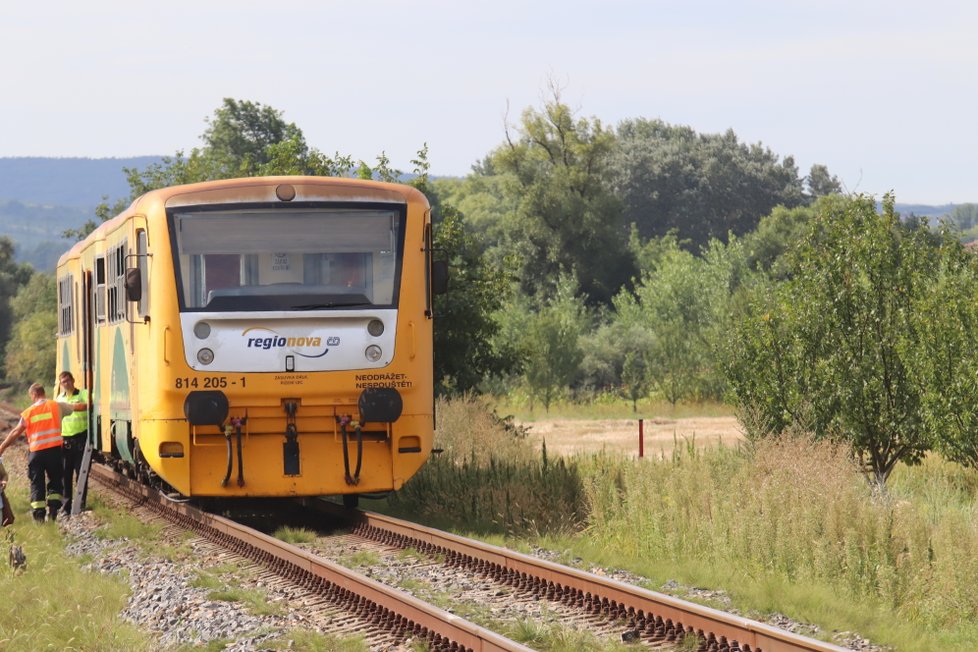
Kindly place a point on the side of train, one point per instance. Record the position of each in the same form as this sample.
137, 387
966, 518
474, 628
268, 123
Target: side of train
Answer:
261, 337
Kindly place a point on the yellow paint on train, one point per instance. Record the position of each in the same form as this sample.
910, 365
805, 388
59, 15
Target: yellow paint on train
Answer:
257, 337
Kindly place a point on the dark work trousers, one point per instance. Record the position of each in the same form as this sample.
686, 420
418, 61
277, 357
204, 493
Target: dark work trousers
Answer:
74, 450
48, 462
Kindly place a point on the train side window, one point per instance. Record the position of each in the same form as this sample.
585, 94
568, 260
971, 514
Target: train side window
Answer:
119, 281
100, 289
65, 308
116, 283
111, 291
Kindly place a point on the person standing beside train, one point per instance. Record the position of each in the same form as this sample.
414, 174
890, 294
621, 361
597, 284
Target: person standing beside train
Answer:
42, 424
74, 433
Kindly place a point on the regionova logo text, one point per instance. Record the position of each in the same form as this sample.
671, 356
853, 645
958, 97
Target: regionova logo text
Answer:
266, 339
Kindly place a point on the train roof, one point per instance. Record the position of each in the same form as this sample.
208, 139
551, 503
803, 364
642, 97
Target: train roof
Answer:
252, 189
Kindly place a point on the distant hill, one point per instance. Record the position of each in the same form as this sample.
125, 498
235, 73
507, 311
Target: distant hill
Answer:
36, 230
932, 213
42, 197
67, 181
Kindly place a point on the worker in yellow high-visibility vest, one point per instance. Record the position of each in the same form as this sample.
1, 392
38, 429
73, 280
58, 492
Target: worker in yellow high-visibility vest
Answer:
74, 433
41, 423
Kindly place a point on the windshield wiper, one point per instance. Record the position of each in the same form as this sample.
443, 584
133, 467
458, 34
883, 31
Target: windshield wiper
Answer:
331, 304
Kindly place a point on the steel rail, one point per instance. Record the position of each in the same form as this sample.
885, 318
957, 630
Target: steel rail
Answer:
443, 630
658, 613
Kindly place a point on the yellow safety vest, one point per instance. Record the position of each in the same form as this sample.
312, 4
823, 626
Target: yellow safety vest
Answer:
76, 422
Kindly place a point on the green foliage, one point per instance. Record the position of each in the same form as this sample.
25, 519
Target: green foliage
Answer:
945, 314
53, 603
822, 183
830, 349
466, 351
702, 186
561, 637
30, 352
635, 377
466, 321
239, 137
566, 219
801, 525
12, 277
483, 202
550, 343
679, 303
291, 534
800, 517
301, 640
242, 139
497, 482
776, 233
964, 216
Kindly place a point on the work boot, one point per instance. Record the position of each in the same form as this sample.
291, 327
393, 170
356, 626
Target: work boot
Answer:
38, 515
52, 514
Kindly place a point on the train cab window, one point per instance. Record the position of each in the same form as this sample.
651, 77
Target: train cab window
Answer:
288, 259
142, 261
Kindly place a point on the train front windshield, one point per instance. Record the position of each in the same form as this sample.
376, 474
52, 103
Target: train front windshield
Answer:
287, 259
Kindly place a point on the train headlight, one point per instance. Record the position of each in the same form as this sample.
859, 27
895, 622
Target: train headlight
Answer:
373, 353
202, 330
205, 356
375, 327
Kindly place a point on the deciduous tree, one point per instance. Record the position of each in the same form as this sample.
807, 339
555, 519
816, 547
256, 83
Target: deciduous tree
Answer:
566, 220
551, 348
945, 314
701, 186
30, 351
830, 349
13, 276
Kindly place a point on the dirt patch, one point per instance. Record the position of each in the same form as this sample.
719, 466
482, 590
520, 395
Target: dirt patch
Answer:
569, 436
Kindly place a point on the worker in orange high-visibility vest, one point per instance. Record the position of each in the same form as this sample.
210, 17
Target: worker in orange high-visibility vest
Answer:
42, 424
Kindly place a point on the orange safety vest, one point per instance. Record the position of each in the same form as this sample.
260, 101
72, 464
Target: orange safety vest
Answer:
43, 425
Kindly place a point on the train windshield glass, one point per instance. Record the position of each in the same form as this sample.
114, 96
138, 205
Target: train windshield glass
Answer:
291, 259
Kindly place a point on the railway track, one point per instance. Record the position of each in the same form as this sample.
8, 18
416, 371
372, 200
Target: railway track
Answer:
610, 609
392, 617
633, 613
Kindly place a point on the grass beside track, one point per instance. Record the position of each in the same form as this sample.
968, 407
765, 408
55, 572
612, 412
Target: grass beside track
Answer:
783, 527
787, 526
51, 603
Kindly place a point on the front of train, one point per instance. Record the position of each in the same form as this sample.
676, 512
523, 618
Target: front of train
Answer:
295, 353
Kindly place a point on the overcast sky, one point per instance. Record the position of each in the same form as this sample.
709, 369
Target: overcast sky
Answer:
883, 93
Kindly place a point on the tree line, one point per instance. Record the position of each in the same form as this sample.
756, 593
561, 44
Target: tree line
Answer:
643, 259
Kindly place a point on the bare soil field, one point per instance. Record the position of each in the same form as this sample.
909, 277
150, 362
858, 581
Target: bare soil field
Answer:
661, 435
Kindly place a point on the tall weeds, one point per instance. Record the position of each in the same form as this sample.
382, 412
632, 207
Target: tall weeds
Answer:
790, 510
490, 478
796, 510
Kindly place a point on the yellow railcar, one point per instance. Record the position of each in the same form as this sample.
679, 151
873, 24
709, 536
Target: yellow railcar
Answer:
260, 337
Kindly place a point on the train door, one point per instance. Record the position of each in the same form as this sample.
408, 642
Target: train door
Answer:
88, 353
